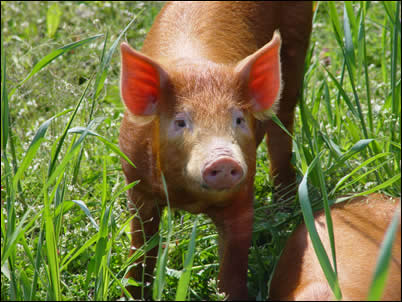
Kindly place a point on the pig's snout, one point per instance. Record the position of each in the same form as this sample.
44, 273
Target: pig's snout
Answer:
223, 173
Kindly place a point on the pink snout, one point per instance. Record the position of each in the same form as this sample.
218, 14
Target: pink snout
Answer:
223, 173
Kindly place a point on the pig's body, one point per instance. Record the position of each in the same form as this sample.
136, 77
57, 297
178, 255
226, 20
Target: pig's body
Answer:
197, 105
359, 229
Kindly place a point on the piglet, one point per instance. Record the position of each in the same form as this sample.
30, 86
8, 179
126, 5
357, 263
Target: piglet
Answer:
198, 99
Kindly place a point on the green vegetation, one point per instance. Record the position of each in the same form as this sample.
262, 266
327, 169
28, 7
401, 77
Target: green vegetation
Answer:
64, 218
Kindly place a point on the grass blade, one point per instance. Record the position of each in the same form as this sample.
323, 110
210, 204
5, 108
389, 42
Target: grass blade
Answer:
363, 53
184, 280
348, 53
13, 239
38, 261
57, 147
4, 103
381, 186
33, 147
71, 152
102, 139
163, 249
322, 256
101, 76
335, 21
356, 148
51, 57
83, 207
54, 290
53, 19
342, 93
381, 272
277, 121
349, 48
396, 48
67, 259
364, 164
324, 194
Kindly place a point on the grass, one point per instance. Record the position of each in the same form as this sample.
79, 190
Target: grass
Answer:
64, 218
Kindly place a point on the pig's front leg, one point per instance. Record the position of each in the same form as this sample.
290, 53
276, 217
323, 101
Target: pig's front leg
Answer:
234, 224
143, 226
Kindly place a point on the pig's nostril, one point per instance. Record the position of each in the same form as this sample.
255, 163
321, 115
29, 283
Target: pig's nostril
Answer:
234, 172
214, 172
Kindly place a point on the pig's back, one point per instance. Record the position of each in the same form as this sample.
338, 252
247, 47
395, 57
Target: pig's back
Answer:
223, 32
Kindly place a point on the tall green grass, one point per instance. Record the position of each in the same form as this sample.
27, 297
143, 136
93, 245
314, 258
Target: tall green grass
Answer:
48, 265
64, 219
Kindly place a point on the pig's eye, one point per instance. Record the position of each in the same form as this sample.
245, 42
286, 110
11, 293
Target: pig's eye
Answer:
180, 123
240, 121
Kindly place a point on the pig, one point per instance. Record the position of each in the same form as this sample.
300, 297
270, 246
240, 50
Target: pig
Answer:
359, 229
198, 99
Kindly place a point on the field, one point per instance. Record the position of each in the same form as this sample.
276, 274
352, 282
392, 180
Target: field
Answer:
64, 217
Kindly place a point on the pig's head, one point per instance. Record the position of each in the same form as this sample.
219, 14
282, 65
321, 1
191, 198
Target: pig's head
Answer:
206, 114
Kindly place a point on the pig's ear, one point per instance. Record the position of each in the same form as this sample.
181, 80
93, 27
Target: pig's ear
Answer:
141, 82
261, 73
